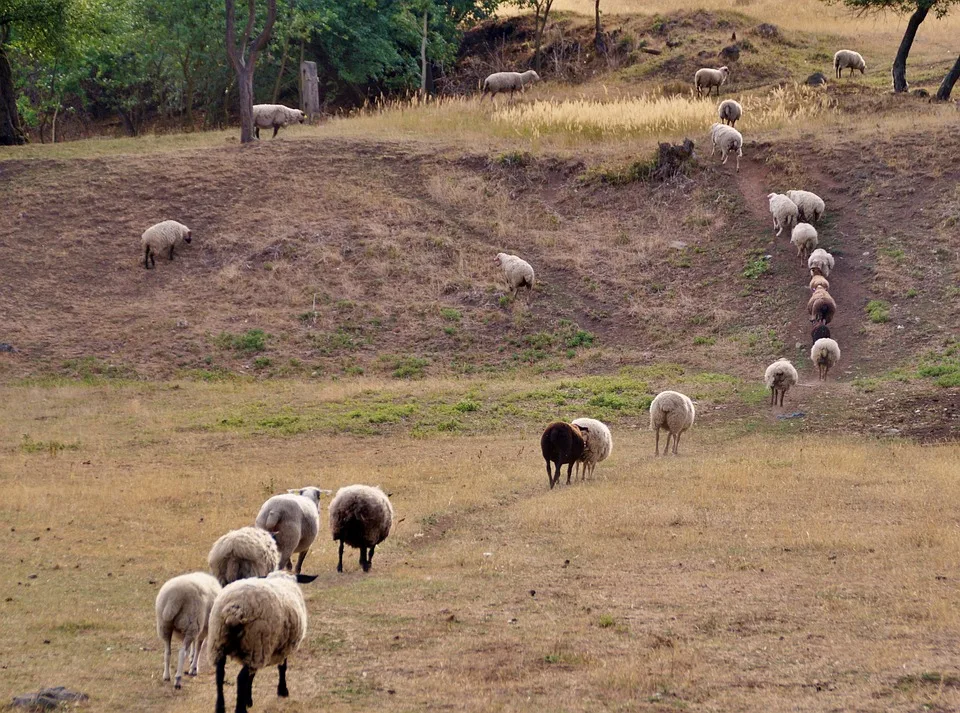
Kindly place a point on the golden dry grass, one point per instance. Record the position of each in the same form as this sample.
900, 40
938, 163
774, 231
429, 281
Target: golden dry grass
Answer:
755, 572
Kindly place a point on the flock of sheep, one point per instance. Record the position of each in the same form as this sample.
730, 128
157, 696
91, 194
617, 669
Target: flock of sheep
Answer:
250, 608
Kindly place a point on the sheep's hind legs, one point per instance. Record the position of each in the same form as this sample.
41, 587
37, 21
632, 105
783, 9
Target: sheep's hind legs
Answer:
282, 685
364, 562
340, 561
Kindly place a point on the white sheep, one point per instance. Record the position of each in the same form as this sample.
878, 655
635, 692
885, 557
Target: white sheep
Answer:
819, 281
183, 606
825, 354
707, 78
517, 272
848, 58
275, 115
730, 111
294, 521
508, 82
259, 622
820, 262
804, 237
729, 140
809, 205
784, 211
779, 377
673, 411
243, 553
360, 516
598, 444
163, 236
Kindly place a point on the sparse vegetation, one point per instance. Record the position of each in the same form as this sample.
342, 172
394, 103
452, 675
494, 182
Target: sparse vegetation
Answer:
878, 311
254, 340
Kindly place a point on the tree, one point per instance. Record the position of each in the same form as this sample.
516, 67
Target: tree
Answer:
541, 13
243, 57
943, 93
598, 40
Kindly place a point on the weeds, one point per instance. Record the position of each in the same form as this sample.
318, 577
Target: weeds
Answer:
878, 311
254, 340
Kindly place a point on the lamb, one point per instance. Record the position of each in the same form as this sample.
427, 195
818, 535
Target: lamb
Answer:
821, 306
804, 236
562, 444
508, 82
848, 58
779, 377
809, 205
517, 272
729, 140
275, 115
163, 236
825, 354
673, 411
598, 444
708, 78
819, 281
360, 516
183, 606
784, 210
820, 262
259, 622
821, 331
293, 519
729, 111
247, 552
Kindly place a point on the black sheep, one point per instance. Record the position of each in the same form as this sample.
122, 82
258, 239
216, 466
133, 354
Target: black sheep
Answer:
561, 443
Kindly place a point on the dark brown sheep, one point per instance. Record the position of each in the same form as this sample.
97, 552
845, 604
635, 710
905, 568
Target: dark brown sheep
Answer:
821, 306
820, 332
561, 443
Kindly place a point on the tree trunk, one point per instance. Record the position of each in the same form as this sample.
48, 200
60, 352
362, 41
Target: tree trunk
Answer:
11, 133
598, 41
900, 63
283, 66
943, 93
245, 85
423, 57
244, 61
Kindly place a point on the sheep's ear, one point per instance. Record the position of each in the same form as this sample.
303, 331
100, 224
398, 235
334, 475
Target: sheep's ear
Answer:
306, 578
295, 491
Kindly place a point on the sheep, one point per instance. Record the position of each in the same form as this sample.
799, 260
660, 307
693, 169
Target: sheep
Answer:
517, 272
275, 115
183, 606
821, 331
825, 354
562, 444
819, 281
821, 306
673, 411
360, 516
508, 82
779, 377
708, 78
809, 205
293, 519
848, 58
820, 262
730, 111
259, 622
784, 211
729, 140
804, 237
247, 552
598, 444
162, 236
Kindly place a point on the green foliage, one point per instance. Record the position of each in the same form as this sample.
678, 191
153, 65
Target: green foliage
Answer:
756, 267
254, 340
943, 366
29, 445
450, 314
878, 311
409, 367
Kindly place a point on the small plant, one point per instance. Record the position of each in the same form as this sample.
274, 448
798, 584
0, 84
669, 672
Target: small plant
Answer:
704, 340
504, 300
262, 362
606, 621
878, 311
450, 331
450, 314
409, 367
466, 406
756, 267
912, 292
580, 338
513, 158
28, 445
254, 340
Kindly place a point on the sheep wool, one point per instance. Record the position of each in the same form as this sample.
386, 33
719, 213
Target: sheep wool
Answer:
821, 331
598, 444
707, 78
275, 115
730, 111
779, 377
819, 281
508, 82
360, 516
561, 444
293, 519
848, 58
728, 140
183, 607
243, 553
674, 412
820, 262
517, 272
825, 354
809, 205
804, 237
165, 235
784, 211
821, 306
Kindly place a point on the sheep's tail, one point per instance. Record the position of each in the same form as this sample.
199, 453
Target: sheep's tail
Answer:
165, 622
273, 519
232, 570
225, 640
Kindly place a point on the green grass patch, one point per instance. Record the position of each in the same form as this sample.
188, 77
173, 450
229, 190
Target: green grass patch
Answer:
942, 367
878, 311
30, 445
756, 267
251, 341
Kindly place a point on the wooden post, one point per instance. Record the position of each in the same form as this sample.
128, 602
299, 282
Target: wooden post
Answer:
309, 90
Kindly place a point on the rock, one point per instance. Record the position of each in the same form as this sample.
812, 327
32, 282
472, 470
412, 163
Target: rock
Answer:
816, 79
785, 416
48, 698
4, 347
678, 244
768, 31
730, 53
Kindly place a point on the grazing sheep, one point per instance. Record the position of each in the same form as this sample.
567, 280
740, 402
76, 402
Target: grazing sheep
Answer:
163, 236
517, 272
804, 236
730, 111
820, 262
275, 115
809, 205
598, 444
821, 306
243, 553
825, 354
779, 377
673, 411
562, 444
848, 58
821, 331
508, 82
819, 281
360, 516
784, 211
708, 78
729, 140
259, 622
183, 606
294, 521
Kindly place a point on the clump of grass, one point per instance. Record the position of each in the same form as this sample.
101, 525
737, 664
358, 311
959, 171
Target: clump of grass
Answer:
450, 314
513, 158
878, 311
620, 176
756, 267
409, 367
254, 340
29, 445
91, 369
943, 367
706, 341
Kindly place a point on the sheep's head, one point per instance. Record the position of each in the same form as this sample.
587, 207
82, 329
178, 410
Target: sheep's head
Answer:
188, 237
862, 67
311, 493
530, 76
725, 71
497, 260
301, 116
